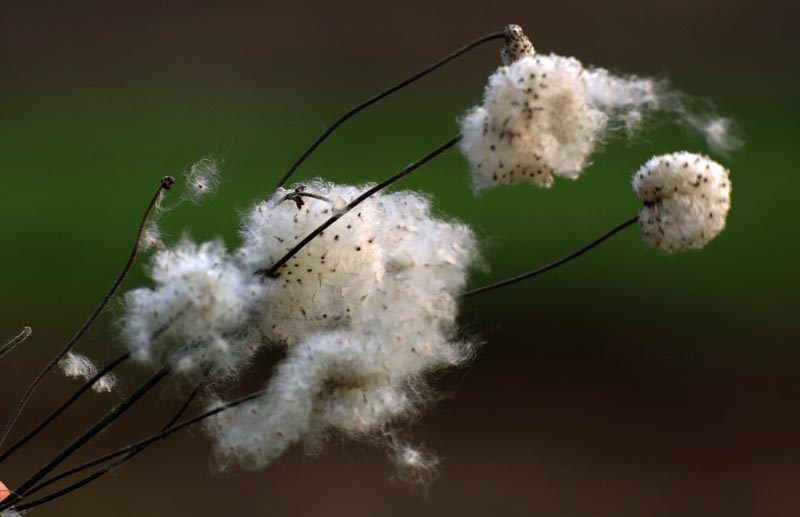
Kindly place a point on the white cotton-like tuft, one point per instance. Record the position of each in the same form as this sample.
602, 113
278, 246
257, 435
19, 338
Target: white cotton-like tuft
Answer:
202, 299
151, 237
537, 120
720, 133
364, 327
544, 116
326, 285
686, 200
415, 465
10, 512
77, 366
332, 378
202, 179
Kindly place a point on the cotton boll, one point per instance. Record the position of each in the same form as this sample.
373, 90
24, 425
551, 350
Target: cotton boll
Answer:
537, 120
326, 285
336, 378
686, 200
202, 298
77, 366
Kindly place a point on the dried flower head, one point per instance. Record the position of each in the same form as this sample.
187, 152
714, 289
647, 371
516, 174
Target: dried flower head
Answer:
517, 45
686, 200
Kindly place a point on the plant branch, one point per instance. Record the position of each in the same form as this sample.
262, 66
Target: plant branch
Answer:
575, 254
113, 466
83, 389
357, 201
341, 120
83, 439
12, 344
167, 182
152, 439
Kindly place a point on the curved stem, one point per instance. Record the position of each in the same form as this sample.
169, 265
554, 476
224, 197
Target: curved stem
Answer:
83, 389
12, 344
83, 439
357, 201
102, 459
167, 182
154, 438
552, 265
341, 120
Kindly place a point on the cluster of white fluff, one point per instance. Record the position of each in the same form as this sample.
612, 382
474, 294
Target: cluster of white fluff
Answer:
77, 366
202, 302
544, 115
366, 311
686, 200
325, 286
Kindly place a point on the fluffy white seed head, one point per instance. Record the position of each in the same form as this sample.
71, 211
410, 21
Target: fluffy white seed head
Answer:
77, 366
325, 285
544, 115
202, 298
354, 371
686, 200
537, 120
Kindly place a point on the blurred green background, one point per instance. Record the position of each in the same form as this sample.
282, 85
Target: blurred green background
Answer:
627, 383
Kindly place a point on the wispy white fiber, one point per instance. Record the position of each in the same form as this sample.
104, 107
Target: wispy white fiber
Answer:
202, 179
686, 200
415, 465
77, 366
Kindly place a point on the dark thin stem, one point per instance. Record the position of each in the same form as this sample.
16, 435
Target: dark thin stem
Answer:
83, 439
83, 389
113, 466
341, 120
552, 265
167, 182
154, 438
357, 201
12, 344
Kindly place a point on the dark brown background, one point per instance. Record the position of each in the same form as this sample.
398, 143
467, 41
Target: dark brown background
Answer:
630, 384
